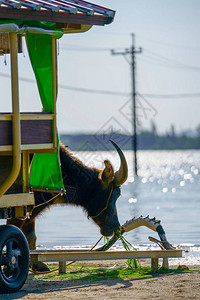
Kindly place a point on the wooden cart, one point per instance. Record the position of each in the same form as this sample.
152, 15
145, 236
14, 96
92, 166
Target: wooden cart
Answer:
22, 134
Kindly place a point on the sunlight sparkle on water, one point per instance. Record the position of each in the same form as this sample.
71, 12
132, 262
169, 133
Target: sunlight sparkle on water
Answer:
132, 200
187, 176
151, 179
181, 172
144, 180
131, 179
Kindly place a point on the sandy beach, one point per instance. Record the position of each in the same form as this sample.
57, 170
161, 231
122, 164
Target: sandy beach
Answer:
185, 285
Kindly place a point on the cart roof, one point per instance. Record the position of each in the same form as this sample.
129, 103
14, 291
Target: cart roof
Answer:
58, 11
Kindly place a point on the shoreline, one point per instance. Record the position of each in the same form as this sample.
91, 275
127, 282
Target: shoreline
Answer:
184, 285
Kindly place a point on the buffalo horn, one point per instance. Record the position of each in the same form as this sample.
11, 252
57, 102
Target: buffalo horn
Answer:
122, 174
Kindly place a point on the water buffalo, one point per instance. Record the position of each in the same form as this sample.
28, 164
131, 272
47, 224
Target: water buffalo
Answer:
96, 191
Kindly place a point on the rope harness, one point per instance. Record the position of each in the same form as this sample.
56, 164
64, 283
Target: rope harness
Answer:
51, 199
93, 217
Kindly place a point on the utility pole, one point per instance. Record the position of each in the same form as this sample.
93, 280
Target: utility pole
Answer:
131, 52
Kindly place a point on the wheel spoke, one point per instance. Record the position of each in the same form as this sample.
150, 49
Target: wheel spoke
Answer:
4, 261
17, 270
9, 248
8, 271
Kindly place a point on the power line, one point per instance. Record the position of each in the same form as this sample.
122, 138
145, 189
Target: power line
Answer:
73, 88
182, 95
153, 61
71, 47
150, 60
166, 59
160, 61
103, 92
159, 58
84, 90
81, 49
169, 44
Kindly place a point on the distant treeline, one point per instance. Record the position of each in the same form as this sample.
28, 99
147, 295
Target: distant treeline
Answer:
147, 140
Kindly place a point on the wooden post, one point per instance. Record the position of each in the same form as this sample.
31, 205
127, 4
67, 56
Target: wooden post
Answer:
165, 263
16, 151
154, 265
54, 70
25, 167
62, 267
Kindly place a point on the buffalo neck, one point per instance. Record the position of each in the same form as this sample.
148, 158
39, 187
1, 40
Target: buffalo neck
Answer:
80, 181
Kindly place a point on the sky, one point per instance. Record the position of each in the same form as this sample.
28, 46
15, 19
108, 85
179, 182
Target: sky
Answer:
167, 71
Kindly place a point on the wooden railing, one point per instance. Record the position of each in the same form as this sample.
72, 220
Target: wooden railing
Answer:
36, 132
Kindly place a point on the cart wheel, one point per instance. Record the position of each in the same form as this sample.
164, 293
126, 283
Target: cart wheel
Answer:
14, 258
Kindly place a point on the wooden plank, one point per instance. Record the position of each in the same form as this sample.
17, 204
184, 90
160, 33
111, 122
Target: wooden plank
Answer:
28, 116
20, 199
32, 132
5, 133
36, 148
6, 149
37, 116
36, 131
50, 256
5, 117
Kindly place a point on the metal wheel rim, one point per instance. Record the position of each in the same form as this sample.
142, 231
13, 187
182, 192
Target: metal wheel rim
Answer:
11, 260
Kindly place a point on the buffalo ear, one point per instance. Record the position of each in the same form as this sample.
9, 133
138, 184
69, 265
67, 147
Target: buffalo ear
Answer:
108, 174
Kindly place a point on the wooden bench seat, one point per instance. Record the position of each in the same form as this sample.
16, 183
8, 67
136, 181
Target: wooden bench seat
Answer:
71, 255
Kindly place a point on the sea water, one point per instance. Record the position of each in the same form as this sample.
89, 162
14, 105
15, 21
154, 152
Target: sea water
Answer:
167, 187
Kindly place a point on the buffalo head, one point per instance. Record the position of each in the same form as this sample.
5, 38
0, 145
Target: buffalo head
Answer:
103, 207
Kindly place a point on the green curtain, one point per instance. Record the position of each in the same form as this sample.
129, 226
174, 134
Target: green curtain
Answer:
45, 168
